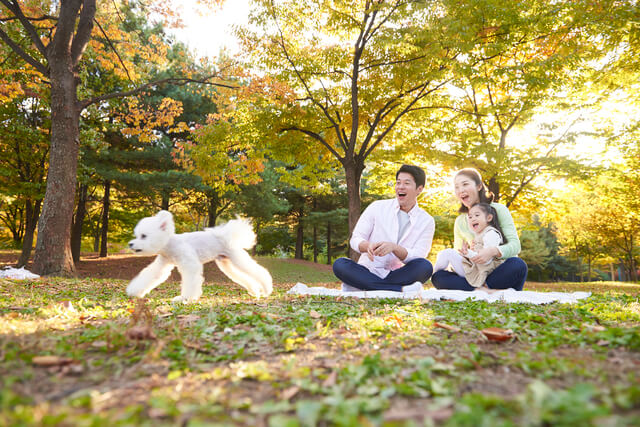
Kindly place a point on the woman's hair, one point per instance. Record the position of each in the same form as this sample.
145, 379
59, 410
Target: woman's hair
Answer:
490, 210
485, 196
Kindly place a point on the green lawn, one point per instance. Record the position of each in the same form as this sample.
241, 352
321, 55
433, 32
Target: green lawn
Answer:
290, 360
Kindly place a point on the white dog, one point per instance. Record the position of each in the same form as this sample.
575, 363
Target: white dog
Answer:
224, 244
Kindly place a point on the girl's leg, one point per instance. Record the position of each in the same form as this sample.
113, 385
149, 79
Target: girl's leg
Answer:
447, 280
510, 274
449, 256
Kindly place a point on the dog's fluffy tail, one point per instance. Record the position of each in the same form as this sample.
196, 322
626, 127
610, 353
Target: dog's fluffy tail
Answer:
236, 233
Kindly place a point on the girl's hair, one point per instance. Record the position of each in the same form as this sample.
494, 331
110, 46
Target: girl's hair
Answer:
490, 210
484, 195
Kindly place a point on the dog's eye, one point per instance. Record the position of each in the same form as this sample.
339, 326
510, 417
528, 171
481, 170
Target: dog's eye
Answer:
143, 236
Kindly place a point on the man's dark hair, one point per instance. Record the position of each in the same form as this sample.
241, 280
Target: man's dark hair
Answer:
416, 172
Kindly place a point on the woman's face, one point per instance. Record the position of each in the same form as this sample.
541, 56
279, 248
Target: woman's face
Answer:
467, 191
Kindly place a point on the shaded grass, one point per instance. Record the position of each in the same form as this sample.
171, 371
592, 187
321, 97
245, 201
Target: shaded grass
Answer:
292, 360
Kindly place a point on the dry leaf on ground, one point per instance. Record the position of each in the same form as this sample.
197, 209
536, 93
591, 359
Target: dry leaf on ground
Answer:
497, 334
445, 326
51, 360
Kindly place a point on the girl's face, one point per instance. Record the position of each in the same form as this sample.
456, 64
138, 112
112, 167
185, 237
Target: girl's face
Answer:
466, 190
478, 219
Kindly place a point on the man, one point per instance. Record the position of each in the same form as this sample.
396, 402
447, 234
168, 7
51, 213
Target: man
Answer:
393, 237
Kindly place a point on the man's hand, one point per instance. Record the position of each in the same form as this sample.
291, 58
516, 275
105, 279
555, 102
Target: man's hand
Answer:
366, 247
383, 248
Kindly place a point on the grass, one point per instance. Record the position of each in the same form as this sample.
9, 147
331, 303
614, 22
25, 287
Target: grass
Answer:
303, 361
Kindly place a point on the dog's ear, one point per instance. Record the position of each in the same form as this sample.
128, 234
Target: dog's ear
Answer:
166, 220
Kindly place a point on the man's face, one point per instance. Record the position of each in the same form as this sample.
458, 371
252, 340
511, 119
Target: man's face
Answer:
406, 191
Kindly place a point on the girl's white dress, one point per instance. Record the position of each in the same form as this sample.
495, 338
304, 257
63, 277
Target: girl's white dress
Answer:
476, 274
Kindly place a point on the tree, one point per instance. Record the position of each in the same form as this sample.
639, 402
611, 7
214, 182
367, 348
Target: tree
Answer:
23, 154
352, 72
52, 39
530, 56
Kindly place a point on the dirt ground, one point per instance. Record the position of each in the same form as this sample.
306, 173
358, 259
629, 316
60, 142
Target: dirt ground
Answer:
126, 266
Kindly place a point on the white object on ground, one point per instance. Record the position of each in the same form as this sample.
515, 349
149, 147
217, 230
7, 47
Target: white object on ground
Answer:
507, 295
17, 273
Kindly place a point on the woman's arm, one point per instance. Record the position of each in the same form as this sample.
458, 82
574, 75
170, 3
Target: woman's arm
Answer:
458, 240
512, 247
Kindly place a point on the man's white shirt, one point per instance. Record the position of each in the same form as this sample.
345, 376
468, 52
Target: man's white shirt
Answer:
379, 223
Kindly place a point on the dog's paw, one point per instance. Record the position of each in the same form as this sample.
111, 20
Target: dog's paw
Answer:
135, 290
183, 299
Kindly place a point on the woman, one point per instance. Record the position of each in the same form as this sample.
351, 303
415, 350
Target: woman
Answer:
470, 189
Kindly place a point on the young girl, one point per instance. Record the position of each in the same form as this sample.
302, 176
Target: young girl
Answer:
483, 223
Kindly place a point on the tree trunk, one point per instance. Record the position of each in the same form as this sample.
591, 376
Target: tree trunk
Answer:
353, 174
254, 251
494, 187
315, 243
214, 201
105, 219
32, 212
632, 261
53, 247
613, 275
329, 256
300, 236
164, 204
76, 231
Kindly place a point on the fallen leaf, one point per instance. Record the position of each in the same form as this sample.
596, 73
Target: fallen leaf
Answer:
99, 344
603, 343
497, 334
447, 327
74, 368
51, 360
141, 322
290, 392
186, 319
157, 413
330, 380
314, 314
140, 332
594, 328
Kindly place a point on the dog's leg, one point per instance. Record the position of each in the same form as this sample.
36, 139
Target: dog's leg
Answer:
243, 270
191, 271
150, 277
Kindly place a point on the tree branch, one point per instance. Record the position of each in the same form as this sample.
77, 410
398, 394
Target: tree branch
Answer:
421, 94
29, 28
24, 55
315, 136
172, 80
323, 108
83, 33
114, 50
66, 26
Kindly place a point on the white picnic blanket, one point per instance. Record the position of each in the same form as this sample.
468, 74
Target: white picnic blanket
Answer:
507, 295
17, 273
